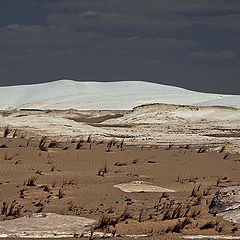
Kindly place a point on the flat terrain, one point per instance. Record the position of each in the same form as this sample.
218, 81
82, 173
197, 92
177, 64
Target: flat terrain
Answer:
78, 178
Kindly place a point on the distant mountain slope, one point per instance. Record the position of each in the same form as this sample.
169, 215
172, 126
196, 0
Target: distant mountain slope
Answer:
68, 94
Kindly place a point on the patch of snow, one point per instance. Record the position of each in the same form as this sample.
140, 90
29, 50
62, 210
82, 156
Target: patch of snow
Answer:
68, 94
140, 186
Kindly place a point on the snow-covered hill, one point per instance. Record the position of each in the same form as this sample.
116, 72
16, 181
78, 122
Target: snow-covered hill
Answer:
68, 94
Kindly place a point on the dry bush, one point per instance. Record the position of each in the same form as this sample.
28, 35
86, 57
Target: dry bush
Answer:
202, 150
111, 143
208, 225
222, 149
226, 156
218, 182
6, 132
60, 194
79, 144
53, 144
105, 222
121, 145
206, 192
179, 226
193, 212
8, 158
15, 133
140, 217
169, 147
124, 216
53, 184
173, 212
198, 200
31, 182
46, 188
118, 164
13, 210
21, 193
187, 146
89, 139
39, 172
195, 191
41, 145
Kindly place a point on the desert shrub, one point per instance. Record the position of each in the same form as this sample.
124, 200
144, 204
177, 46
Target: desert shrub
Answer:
53, 144
60, 194
31, 182
208, 225
202, 150
89, 139
179, 226
79, 144
173, 212
222, 149
6, 132
13, 210
105, 222
41, 145
124, 216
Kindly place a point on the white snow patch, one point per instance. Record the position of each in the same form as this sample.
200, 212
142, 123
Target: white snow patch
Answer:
140, 186
68, 94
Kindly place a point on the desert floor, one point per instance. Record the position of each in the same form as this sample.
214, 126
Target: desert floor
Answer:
66, 180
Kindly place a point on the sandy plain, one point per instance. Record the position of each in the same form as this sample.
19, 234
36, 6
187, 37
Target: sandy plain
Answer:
80, 182
190, 151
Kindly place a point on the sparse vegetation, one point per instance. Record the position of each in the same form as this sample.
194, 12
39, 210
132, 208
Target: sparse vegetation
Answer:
60, 194
181, 224
41, 145
13, 210
31, 182
79, 144
6, 132
53, 144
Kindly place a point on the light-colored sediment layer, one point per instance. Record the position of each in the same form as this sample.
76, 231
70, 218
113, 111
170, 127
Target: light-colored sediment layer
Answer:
211, 237
158, 124
45, 225
141, 186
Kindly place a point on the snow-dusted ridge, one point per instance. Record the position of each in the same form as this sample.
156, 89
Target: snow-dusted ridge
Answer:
68, 94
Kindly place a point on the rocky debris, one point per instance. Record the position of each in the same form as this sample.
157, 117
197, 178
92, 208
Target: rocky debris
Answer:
45, 225
226, 203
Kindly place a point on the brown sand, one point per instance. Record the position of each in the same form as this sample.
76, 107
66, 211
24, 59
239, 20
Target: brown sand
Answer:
80, 182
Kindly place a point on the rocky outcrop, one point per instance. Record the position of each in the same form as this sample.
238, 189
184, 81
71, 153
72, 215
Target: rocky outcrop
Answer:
226, 203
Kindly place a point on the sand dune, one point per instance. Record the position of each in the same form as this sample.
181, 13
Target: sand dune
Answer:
68, 94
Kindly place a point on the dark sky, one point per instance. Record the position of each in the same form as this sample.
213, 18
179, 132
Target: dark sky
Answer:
193, 44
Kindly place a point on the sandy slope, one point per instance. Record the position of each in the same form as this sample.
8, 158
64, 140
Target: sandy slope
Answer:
68, 94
